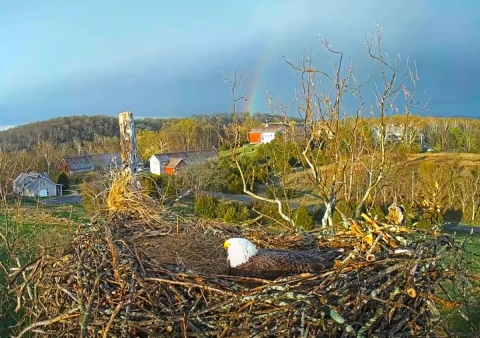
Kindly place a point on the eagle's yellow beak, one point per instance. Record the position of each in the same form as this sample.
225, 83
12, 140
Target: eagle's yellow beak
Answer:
226, 244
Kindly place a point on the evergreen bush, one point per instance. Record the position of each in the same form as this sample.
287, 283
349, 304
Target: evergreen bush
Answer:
270, 212
222, 208
64, 180
206, 206
303, 218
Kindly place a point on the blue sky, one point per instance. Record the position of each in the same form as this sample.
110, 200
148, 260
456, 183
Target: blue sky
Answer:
163, 58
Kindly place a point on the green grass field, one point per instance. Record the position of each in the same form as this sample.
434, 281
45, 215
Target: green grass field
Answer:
27, 229
247, 150
456, 322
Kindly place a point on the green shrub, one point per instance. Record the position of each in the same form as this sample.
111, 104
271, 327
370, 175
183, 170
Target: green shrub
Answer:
93, 196
279, 192
150, 184
303, 218
347, 208
270, 212
206, 206
235, 186
230, 215
236, 214
168, 185
243, 214
232, 212
222, 208
378, 213
428, 219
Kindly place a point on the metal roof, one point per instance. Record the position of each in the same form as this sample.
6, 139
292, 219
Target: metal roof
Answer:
270, 128
257, 130
89, 162
186, 155
174, 162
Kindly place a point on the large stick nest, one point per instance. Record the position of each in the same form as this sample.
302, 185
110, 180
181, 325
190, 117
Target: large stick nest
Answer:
169, 278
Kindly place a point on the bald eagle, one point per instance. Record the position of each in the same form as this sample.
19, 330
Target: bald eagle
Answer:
247, 261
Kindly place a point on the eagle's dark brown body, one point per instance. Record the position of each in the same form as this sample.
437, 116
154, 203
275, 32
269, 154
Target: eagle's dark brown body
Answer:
275, 263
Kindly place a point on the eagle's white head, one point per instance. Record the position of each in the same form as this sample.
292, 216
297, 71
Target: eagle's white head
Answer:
240, 250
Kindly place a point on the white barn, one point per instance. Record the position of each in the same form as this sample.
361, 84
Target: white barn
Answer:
168, 163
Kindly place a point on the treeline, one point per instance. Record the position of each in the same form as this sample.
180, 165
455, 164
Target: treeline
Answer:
196, 131
58, 131
65, 131
445, 134
202, 131
40, 146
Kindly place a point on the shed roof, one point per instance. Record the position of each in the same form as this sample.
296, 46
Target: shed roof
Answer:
256, 130
174, 162
86, 162
269, 128
186, 155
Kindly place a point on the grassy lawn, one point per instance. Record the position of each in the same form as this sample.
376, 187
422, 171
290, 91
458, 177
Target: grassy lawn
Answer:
472, 261
463, 159
473, 248
248, 150
29, 221
27, 229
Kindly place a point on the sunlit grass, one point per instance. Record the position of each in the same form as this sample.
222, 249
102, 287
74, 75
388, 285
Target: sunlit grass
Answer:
28, 228
247, 150
455, 320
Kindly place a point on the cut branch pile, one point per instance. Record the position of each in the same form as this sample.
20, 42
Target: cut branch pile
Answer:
391, 283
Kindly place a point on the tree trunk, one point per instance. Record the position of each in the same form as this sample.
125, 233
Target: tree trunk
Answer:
474, 210
128, 144
327, 219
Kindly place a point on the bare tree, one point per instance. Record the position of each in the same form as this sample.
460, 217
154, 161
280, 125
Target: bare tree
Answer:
328, 131
49, 152
475, 193
200, 177
347, 139
235, 132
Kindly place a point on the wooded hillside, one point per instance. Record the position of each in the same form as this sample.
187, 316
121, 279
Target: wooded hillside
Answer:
66, 130
442, 134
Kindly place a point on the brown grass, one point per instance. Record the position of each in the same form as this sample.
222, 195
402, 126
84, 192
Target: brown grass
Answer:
301, 180
463, 159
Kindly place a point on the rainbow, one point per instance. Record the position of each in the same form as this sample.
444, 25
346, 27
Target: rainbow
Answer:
257, 101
